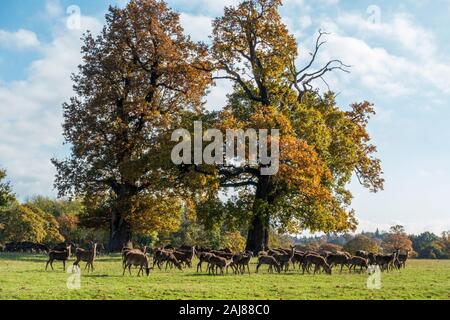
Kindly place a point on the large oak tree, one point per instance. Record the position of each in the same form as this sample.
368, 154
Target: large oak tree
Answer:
136, 79
322, 146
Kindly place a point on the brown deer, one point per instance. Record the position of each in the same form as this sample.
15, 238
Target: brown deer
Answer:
298, 257
285, 258
168, 257
216, 262
402, 258
271, 261
241, 262
87, 256
126, 250
203, 257
136, 259
58, 256
358, 262
318, 261
185, 256
337, 259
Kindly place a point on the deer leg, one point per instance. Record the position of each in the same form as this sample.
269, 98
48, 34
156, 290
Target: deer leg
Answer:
46, 265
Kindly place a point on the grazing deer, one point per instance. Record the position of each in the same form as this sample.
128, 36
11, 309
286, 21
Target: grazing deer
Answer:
271, 261
216, 262
185, 256
298, 257
358, 262
58, 256
318, 261
338, 259
87, 256
137, 259
162, 256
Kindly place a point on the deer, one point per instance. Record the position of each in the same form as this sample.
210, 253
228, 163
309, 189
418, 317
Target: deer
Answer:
162, 256
358, 261
185, 256
58, 256
126, 250
337, 259
285, 258
372, 258
271, 261
203, 257
318, 261
386, 262
87, 256
241, 261
362, 254
137, 259
216, 262
298, 257
402, 258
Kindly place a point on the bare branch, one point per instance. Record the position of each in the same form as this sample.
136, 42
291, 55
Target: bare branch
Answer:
303, 78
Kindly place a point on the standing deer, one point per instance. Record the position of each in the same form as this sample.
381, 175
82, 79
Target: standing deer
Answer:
137, 259
271, 261
87, 256
58, 256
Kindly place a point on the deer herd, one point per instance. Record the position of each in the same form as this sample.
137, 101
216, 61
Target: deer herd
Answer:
219, 262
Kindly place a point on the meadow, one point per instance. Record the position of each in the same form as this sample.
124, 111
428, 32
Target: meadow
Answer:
23, 276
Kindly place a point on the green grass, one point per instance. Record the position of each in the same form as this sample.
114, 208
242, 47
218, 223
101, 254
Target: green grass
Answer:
23, 277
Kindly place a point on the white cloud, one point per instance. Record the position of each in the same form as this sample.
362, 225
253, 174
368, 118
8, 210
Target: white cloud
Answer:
198, 27
204, 7
31, 111
21, 39
53, 8
395, 58
400, 30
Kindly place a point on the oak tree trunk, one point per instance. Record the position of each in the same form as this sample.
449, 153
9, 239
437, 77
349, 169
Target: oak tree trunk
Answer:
120, 233
258, 233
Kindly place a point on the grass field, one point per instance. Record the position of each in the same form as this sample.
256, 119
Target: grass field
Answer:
23, 277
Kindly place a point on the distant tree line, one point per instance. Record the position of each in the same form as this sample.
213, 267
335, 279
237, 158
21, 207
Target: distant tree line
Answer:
426, 245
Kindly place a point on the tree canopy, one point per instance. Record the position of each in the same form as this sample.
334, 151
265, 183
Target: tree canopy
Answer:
136, 80
361, 242
6, 195
322, 146
28, 223
142, 78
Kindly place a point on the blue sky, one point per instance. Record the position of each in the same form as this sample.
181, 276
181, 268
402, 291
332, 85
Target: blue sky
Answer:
400, 55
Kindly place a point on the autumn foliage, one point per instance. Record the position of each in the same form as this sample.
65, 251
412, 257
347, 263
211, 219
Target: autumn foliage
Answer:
142, 78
